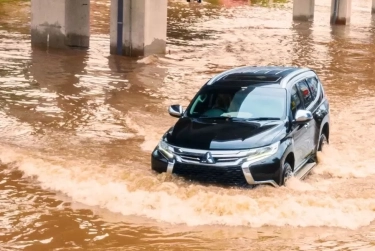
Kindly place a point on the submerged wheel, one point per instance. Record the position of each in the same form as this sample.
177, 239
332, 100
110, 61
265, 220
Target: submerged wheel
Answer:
322, 141
287, 173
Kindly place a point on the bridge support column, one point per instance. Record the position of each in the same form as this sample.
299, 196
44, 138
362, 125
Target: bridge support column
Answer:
341, 11
373, 7
303, 10
60, 23
138, 27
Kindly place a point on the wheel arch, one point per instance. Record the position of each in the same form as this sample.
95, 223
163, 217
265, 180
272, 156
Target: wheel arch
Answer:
288, 155
290, 159
325, 130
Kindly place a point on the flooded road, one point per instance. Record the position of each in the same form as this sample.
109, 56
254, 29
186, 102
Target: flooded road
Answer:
77, 129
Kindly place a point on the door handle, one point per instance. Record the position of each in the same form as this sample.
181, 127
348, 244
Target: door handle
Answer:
307, 125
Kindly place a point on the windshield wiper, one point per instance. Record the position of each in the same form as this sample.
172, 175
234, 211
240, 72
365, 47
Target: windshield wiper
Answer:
263, 118
218, 117
241, 119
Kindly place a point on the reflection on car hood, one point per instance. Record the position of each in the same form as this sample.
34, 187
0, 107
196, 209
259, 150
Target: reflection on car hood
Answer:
221, 134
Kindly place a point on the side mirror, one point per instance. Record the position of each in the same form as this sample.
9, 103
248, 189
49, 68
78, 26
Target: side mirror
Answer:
303, 116
176, 111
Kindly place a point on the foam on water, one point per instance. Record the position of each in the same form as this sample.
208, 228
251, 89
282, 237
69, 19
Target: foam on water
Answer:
169, 200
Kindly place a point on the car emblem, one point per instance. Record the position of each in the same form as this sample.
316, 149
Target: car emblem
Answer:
208, 158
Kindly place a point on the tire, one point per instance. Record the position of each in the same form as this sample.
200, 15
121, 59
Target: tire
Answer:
287, 173
322, 141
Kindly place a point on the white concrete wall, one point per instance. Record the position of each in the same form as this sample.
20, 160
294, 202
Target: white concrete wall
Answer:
55, 23
48, 22
47, 12
303, 9
135, 26
156, 23
341, 11
144, 27
77, 16
113, 26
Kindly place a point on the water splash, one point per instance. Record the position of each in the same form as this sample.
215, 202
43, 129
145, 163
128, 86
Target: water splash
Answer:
122, 192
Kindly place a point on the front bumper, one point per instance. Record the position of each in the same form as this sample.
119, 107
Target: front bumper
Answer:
265, 171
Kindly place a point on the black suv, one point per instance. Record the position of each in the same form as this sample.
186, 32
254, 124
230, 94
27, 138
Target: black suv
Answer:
248, 126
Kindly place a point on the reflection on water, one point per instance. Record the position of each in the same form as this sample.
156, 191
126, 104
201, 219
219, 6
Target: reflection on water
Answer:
78, 127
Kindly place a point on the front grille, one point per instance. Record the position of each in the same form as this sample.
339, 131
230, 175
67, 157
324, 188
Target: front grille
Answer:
191, 157
227, 176
198, 158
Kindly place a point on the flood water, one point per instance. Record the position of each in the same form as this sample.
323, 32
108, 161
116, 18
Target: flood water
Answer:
77, 129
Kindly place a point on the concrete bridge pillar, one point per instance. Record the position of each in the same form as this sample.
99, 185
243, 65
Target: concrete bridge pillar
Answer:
373, 7
60, 23
303, 10
138, 27
341, 11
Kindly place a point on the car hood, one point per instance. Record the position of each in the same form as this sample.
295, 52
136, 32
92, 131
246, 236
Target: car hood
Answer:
221, 134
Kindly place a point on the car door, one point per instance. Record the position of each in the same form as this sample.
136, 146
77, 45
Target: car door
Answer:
298, 132
309, 102
314, 108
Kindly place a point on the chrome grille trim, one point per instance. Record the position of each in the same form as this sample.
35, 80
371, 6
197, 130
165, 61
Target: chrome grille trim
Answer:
215, 153
218, 163
226, 159
222, 157
189, 158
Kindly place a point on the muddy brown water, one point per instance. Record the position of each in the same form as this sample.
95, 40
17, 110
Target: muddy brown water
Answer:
77, 128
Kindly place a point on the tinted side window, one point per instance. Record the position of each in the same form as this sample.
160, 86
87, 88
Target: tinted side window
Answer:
295, 101
305, 91
313, 85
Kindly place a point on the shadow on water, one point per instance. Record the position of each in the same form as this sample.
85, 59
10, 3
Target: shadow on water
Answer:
67, 89
352, 65
51, 94
302, 40
59, 73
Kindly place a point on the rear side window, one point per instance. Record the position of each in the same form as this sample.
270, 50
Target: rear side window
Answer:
306, 93
313, 85
295, 101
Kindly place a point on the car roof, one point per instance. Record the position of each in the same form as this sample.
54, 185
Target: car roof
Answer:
255, 76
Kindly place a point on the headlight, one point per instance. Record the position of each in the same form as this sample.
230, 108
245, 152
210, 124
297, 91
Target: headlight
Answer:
165, 149
263, 152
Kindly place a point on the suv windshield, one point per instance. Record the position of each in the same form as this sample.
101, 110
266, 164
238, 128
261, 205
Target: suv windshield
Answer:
239, 102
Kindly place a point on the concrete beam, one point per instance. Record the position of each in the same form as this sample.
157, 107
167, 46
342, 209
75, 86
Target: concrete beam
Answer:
60, 23
341, 11
142, 28
303, 10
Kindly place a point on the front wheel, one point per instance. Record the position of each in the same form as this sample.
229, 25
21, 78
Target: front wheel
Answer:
322, 141
287, 173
